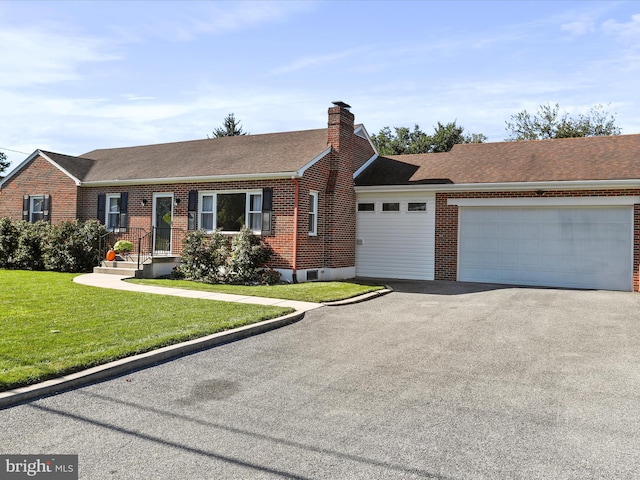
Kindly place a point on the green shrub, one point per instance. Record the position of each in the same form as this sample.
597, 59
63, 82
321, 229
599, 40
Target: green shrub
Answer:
203, 257
8, 242
248, 254
211, 259
73, 246
32, 242
124, 246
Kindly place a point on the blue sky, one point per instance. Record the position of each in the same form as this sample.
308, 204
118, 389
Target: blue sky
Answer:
78, 75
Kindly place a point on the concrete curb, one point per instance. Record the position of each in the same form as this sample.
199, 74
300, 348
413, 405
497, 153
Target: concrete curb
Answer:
360, 298
128, 364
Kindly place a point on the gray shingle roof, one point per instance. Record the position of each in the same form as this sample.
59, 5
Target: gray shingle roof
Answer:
567, 159
240, 155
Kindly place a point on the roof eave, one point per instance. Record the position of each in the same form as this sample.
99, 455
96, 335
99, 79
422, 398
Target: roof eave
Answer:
314, 161
502, 186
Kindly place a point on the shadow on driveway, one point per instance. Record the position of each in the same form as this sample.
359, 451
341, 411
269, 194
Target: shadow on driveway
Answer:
438, 287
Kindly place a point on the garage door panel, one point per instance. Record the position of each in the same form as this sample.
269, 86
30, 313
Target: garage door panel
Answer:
396, 244
582, 247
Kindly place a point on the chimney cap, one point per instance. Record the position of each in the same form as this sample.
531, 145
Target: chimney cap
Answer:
342, 105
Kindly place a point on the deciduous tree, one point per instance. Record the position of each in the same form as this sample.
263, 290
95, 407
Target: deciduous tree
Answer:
405, 141
549, 122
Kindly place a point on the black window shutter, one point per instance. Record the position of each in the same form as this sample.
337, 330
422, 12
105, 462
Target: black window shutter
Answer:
192, 210
46, 207
25, 208
267, 209
102, 200
124, 202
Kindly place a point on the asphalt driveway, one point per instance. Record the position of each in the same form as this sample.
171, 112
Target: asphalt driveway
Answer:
436, 380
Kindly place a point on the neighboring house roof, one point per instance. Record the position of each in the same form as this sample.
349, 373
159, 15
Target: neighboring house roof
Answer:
566, 159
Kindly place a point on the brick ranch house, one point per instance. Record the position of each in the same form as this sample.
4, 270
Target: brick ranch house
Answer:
562, 212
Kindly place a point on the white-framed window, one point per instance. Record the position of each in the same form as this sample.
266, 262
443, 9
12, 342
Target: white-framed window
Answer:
313, 213
366, 207
112, 219
391, 207
229, 211
417, 207
36, 209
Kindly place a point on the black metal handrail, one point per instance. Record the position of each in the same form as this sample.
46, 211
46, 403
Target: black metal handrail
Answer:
147, 244
109, 239
145, 248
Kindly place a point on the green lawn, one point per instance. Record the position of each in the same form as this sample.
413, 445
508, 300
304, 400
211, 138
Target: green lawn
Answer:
51, 326
308, 292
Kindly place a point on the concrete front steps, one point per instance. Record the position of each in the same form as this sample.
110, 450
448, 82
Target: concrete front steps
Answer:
154, 267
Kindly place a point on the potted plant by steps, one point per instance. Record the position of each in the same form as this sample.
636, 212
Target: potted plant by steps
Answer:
123, 248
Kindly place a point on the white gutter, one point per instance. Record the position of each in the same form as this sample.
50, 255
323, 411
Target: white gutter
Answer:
510, 186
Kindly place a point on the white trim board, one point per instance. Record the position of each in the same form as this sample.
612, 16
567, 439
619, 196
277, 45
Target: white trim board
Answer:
544, 202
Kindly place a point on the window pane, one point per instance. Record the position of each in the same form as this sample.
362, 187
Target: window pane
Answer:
114, 204
37, 205
207, 203
255, 221
207, 221
231, 211
255, 201
390, 207
366, 207
417, 207
312, 203
113, 220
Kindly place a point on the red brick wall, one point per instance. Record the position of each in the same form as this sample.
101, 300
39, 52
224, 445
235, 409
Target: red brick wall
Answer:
446, 241
140, 216
40, 177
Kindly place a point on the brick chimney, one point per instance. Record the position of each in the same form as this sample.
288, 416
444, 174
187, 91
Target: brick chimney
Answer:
340, 136
340, 193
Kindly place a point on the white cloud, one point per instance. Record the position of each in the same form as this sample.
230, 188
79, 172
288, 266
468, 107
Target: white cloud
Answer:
579, 27
218, 18
312, 61
627, 32
33, 56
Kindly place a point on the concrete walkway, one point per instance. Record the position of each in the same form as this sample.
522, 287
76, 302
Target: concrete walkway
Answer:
117, 282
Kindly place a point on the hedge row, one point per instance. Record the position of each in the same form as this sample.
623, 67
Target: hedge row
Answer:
66, 247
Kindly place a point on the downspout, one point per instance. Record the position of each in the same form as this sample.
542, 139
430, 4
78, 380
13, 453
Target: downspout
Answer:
294, 274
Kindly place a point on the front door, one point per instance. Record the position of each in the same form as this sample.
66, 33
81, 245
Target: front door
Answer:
162, 221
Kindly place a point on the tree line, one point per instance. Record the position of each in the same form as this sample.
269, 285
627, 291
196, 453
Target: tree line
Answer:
548, 122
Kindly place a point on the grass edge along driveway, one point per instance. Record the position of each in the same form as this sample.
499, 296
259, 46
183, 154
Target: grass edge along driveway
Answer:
317, 292
52, 326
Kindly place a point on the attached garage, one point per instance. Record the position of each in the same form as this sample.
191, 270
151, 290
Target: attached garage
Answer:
395, 236
561, 242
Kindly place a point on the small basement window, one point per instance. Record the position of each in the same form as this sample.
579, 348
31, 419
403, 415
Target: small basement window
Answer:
391, 207
417, 207
366, 207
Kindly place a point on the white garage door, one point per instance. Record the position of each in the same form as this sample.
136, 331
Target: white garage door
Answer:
395, 236
578, 247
